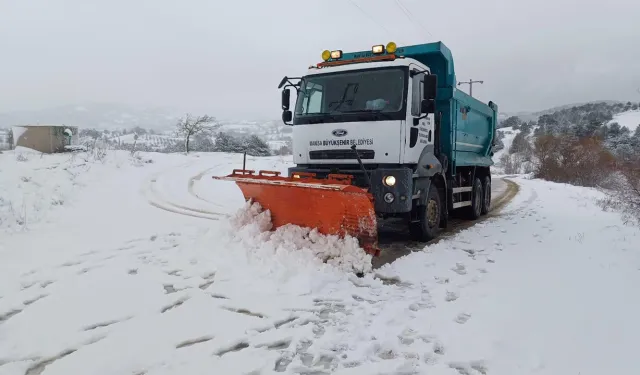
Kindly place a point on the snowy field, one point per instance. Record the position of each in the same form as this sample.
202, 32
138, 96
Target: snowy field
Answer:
146, 266
630, 119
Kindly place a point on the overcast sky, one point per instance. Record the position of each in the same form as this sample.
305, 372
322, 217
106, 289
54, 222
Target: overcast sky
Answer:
226, 58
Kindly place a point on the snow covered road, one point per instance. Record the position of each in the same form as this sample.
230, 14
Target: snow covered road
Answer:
114, 285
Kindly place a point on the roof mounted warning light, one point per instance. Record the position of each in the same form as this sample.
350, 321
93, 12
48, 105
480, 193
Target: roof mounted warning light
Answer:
377, 49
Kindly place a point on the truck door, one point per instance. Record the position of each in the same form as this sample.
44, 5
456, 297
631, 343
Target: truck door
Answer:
419, 136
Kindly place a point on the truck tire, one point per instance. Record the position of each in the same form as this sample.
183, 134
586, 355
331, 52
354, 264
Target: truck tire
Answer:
486, 200
430, 216
475, 210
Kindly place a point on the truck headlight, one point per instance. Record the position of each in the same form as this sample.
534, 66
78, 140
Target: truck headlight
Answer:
389, 180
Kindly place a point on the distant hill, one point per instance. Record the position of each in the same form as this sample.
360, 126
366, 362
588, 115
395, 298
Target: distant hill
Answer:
96, 116
534, 115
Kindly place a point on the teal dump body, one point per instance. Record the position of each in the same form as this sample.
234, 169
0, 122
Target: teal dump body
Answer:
468, 128
467, 125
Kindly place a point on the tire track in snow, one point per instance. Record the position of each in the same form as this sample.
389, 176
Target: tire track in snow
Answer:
198, 177
394, 244
150, 191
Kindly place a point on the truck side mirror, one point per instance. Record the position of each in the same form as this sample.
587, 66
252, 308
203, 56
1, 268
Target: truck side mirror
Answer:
428, 106
286, 94
430, 86
287, 116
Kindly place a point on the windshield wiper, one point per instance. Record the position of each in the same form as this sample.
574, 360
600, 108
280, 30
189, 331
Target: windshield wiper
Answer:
320, 117
344, 100
376, 111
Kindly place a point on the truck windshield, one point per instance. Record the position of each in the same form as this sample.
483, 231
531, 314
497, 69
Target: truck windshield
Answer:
364, 95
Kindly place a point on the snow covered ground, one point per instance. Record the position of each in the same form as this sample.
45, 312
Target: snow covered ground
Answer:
630, 119
148, 266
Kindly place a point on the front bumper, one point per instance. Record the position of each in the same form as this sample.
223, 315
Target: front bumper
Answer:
402, 190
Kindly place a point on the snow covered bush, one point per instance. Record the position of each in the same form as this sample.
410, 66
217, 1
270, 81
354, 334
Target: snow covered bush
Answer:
225, 142
518, 157
255, 146
252, 145
517, 163
510, 122
624, 195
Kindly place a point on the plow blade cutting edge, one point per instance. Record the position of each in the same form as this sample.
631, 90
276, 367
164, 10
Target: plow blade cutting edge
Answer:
333, 205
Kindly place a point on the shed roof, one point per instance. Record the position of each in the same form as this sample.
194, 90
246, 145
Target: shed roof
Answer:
45, 126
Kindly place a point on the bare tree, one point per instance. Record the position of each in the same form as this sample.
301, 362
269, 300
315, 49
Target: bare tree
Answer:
190, 126
10, 139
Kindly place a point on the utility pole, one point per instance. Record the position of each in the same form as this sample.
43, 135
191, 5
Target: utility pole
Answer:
470, 83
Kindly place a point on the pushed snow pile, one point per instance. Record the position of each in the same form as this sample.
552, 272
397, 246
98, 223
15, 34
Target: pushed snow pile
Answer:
251, 226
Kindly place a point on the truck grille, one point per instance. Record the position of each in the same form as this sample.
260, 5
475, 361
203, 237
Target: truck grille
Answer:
341, 154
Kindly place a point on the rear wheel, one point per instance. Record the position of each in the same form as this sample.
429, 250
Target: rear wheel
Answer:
428, 226
475, 210
486, 201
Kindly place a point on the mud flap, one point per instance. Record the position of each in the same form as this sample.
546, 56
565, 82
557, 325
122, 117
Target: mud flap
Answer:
333, 205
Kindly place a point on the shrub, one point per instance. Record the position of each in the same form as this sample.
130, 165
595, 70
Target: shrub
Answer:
577, 161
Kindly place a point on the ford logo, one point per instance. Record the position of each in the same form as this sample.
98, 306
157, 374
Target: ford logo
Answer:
339, 132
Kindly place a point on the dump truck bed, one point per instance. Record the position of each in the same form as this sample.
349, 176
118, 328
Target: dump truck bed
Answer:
468, 128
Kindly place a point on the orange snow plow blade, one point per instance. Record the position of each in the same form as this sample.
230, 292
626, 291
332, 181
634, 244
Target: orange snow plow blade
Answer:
333, 205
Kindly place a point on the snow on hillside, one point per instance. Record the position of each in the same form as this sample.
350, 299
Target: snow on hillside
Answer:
152, 267
509, 134
630, 119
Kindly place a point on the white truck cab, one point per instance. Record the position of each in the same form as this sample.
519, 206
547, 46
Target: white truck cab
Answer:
371, 105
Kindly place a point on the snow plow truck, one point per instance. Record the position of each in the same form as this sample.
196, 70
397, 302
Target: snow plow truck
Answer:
379, 133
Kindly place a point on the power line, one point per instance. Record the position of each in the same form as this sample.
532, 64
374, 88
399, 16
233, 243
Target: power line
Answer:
470, 83
407, 13
371, 18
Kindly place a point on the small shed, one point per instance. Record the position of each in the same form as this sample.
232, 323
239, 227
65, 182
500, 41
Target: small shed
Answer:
45, 138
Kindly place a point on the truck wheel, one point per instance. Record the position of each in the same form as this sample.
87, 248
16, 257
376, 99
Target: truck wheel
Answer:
486, 201
475, 210
429, 215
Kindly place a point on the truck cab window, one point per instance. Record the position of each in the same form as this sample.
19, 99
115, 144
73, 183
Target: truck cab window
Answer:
416, 98
311, 99
363, 95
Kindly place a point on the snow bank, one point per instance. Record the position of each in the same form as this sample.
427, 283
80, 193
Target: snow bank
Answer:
250, 229
33, 185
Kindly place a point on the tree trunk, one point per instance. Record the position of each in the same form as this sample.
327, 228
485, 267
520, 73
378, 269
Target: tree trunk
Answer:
186, 144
